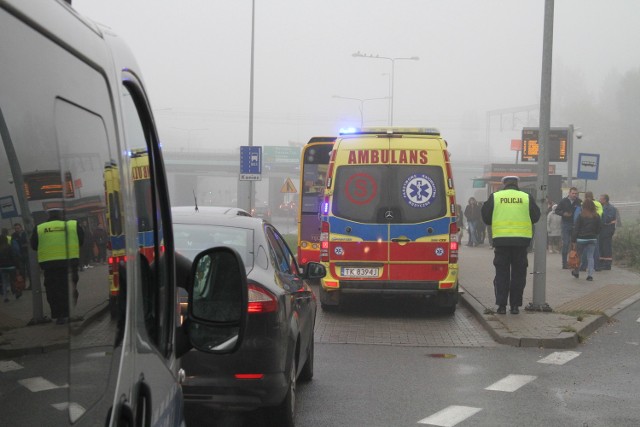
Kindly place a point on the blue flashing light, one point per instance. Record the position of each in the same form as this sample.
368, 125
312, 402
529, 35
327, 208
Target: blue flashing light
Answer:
348, 130
325, 208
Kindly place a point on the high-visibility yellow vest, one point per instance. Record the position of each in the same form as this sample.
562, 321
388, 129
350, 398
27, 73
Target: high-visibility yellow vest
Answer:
511, 214
58, 241
599, 208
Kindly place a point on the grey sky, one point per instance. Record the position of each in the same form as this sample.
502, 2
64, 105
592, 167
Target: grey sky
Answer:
475, 56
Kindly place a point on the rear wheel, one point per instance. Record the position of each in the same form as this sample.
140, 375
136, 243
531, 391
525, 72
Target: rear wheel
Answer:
283, 415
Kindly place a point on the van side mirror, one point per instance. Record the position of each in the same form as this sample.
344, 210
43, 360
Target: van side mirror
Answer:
217, 303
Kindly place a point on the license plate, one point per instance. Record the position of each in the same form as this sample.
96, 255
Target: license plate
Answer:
359, 272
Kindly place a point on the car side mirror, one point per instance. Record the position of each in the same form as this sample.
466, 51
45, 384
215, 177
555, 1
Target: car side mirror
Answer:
314, 270
217, 303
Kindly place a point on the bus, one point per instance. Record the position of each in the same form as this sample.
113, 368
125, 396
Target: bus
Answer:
139, 164
314, 162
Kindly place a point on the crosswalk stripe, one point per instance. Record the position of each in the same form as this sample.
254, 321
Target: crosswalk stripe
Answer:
511, 383
450, 416
559, 357
9, 365
36, 384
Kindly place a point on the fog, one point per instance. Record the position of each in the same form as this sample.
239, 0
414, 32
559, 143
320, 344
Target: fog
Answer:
475, 57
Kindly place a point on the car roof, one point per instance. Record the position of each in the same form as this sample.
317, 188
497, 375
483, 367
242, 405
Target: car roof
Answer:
214, 217
209, 210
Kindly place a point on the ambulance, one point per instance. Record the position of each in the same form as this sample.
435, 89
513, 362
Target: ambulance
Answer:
389, 217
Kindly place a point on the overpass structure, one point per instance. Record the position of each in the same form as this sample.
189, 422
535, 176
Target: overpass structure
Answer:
213, 177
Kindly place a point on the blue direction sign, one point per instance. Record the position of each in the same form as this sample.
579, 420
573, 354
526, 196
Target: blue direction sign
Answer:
250, 163
588, 166
8, 207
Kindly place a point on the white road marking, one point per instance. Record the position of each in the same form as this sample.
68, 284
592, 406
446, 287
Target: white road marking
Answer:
511, 383
638, 320
559, 357
75, 410
450, 416
36, 384
9, 365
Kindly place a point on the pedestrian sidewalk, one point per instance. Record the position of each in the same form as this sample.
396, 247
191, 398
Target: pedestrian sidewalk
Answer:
21, 333
578, 307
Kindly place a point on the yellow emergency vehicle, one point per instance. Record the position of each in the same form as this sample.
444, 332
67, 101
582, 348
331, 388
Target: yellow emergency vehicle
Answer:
389, 217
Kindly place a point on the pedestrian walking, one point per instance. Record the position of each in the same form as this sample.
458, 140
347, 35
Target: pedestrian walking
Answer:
585, 236
610, 221
596, 254
554, 229
86, 251
21, 240
100, 238
511, 214
9, 264
566, 209
473, 216
58, 245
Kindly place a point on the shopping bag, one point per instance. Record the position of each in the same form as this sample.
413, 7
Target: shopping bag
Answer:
19, 284
573, 260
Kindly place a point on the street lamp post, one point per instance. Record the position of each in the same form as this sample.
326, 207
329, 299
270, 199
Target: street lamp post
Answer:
393, 66
362, 101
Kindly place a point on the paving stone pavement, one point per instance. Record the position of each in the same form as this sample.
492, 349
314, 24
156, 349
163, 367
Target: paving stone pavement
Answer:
578, 307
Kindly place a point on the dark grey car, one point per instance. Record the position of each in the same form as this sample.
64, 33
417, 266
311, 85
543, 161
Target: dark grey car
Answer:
277, 348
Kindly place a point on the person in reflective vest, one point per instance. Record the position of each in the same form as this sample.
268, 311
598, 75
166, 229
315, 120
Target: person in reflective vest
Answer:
511, 214
57, 243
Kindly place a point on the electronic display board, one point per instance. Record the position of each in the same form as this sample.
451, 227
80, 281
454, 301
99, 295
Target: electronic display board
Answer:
557, 144
47, 185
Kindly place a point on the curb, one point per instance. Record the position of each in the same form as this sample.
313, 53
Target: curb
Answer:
499, 333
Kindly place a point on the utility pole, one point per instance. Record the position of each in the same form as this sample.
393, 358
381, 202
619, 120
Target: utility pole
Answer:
540, 242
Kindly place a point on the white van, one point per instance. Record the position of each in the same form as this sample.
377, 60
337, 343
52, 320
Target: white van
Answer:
72, 101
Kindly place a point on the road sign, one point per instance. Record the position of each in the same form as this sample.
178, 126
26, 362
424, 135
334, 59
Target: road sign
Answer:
8, 207
282, 154
250, 163
288, 187
588, 166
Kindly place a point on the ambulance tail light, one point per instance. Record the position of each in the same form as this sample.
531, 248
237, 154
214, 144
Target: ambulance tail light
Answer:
453, 243
324, 241
449, 170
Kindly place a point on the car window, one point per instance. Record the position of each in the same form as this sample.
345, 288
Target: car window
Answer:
281, 257
191, 239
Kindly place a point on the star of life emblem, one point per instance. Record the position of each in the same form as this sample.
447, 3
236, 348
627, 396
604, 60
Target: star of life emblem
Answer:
419, 190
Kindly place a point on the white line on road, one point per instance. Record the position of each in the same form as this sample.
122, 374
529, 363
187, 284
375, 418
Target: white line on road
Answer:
511, 383
559, 357
450, 416
36, 384
9, 365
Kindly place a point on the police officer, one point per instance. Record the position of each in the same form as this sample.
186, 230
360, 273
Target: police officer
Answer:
58, 245
511, 214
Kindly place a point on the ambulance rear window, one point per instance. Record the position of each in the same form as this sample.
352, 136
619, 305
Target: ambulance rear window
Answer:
398, 194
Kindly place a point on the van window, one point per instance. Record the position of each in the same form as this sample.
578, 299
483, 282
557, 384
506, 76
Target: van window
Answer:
155, 272
389, 194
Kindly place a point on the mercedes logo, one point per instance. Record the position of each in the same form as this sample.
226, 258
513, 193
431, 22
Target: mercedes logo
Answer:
388, 215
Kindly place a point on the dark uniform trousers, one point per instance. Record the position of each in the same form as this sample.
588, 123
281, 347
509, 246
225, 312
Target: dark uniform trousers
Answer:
56, 285
511, 274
